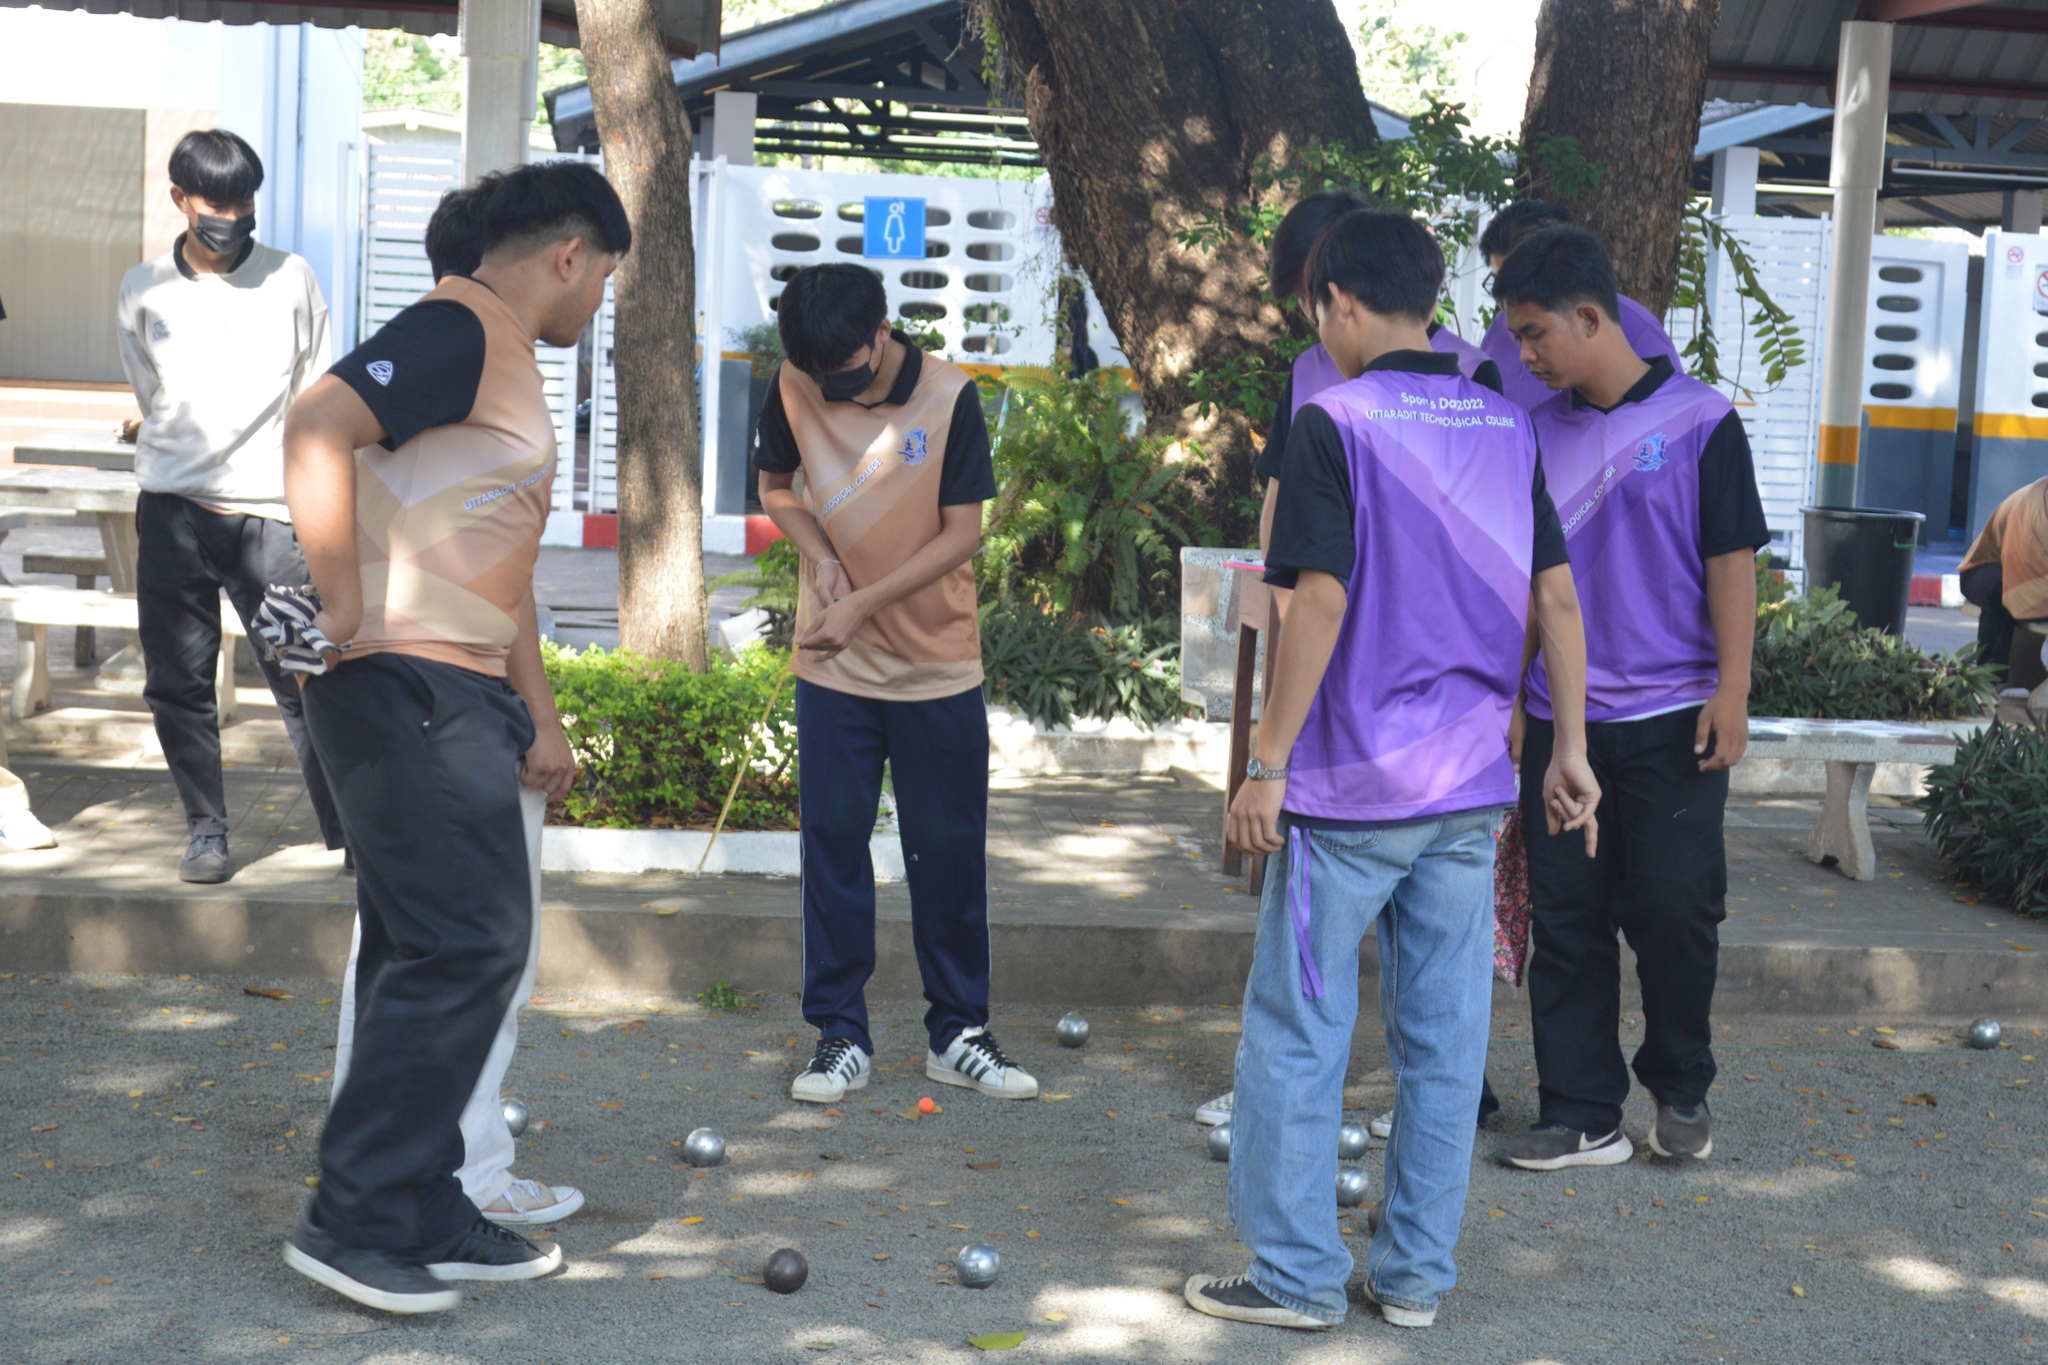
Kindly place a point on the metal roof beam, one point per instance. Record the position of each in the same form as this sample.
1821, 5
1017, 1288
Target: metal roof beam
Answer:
1745, 73
1905, 11
820, 90
1946, 128
1959, 158
1942, 215
2015, 135
948, 57
1986, 19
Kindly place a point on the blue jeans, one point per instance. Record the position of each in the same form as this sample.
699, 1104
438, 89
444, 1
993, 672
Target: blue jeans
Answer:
1427, 885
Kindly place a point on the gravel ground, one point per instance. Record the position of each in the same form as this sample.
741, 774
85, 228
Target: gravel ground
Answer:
1862, 1205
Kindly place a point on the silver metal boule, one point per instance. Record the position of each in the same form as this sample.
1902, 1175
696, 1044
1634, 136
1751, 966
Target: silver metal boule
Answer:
515, 1115
977, 1265
1219, 1142
1352, 1141
704, 1147
1072, 1030
1985, 1034
1353, 1184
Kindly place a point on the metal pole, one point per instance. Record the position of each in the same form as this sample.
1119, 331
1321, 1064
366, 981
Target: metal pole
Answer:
1856, 170
500, 47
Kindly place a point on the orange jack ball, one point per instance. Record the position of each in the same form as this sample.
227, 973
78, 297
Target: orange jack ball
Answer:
926, 1106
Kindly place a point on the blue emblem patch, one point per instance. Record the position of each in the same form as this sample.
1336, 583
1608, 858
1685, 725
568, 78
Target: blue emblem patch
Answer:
1650, 453
914, 448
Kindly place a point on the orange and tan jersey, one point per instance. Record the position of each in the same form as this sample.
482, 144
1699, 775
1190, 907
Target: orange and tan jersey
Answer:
450, 506
2015, 537
876, 478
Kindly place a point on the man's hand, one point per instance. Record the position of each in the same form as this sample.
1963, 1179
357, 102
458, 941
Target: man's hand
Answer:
1254, 821
1724, 720
830, 582
1570, 794
549, 765
833, 628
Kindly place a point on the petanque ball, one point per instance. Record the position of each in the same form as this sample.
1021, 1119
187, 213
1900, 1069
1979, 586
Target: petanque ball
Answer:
1072, 1030
704, 1147
1985, 1034
1352, 1141
1353, 1184
515, 1115
786, 1271
977, 1265
1219, 1142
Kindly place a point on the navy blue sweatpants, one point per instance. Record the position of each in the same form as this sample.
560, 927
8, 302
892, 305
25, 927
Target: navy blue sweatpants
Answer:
937, 753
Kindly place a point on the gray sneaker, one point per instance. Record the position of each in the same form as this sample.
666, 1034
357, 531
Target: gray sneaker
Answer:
1553, 1147
205, 860
1683, 1132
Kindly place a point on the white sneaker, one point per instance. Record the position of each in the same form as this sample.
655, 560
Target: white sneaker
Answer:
23, 831
528, 1203
976, 1062
1382, 1127
837, 1066
1216, 1111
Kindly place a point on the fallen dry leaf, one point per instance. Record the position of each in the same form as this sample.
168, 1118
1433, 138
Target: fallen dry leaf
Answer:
972, 1165
1922, 1101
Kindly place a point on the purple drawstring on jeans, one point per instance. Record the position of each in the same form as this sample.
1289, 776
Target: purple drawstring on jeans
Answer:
1298, 909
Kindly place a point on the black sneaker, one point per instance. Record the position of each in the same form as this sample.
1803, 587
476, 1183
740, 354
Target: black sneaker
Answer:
1553, 1147
205, 860
485, 1251
1239, 1300
1683, 1132
376, 1279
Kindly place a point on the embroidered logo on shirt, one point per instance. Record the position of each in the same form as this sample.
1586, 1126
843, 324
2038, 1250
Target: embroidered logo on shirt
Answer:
914, 447
380, 370
159, 330
1650, 454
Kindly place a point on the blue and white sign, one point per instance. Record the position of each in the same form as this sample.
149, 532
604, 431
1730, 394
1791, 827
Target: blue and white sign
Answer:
893, 229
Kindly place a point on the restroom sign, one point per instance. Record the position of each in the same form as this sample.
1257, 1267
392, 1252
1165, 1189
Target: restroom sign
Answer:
893, 229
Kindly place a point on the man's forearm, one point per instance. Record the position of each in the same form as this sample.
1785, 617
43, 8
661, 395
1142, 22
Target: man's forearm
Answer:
525, 671
320, 490
1731, 606
1313, 621
796, 522
952, 547
1563, 635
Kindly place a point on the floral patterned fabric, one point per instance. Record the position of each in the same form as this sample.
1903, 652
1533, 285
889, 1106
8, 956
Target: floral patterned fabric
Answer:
1510, 901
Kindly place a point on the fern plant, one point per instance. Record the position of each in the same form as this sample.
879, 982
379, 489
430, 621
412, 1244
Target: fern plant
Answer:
1780, 347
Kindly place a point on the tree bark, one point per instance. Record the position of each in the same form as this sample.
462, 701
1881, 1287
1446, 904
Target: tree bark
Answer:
1149, 113
646, 142
1626, 78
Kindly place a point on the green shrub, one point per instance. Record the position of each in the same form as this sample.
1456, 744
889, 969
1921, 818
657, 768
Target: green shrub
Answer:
1987, 813
1053, 669
774, 580
657, 745
763, 344
1090, 520
1814, 661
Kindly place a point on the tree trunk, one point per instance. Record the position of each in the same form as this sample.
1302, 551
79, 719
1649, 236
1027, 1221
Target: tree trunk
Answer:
1149, 113
646, 141
1626, 78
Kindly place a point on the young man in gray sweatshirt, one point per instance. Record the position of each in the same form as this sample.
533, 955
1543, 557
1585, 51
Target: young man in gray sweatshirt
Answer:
218, 336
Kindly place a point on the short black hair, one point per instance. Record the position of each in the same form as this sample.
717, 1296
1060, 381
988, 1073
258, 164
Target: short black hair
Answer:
827, 312
1523, 218
530, 207
1295, 238
455, 240
1557, 270
217, 166
1387, 261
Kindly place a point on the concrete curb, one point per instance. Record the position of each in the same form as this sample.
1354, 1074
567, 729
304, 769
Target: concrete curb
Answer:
629, 852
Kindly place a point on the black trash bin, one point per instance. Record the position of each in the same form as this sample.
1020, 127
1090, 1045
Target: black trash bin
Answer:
1869, 552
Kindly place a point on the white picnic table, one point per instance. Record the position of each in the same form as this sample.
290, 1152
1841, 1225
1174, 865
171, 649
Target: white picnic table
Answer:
91, 450
107, 495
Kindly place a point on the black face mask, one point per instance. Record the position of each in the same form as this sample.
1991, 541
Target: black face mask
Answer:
224, 236
846, 385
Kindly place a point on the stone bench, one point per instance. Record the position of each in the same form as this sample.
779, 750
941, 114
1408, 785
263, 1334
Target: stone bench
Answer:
86, 571
1852, 749
35, 610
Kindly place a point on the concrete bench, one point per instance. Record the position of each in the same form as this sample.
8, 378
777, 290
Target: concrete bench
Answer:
1852, 750
14, 519
35, 610
87, 570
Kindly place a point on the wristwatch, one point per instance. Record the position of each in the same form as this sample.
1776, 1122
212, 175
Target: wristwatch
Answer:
1259, 772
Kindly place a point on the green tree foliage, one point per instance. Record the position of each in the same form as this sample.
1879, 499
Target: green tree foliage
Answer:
1403, 63
411, 71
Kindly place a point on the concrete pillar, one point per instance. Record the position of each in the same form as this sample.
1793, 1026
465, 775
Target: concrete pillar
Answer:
2021, 211
500, 60
1735, 173
1856, 171
730, 133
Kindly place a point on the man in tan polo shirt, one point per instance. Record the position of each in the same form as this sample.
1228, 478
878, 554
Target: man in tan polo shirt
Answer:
896, 465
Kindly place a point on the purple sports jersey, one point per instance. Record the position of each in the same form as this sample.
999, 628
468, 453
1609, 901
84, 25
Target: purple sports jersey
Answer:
1646, 337
1412, 716
1314, 371
1627, 488
1444, 341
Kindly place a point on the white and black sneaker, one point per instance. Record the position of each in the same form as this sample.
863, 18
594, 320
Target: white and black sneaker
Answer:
1239, 1300
838, 1065
1554, 1147
485, 1251
975, 1061
384, 1280
1217, 1110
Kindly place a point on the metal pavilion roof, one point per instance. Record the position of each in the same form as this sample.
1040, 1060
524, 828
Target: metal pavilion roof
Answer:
691, 26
